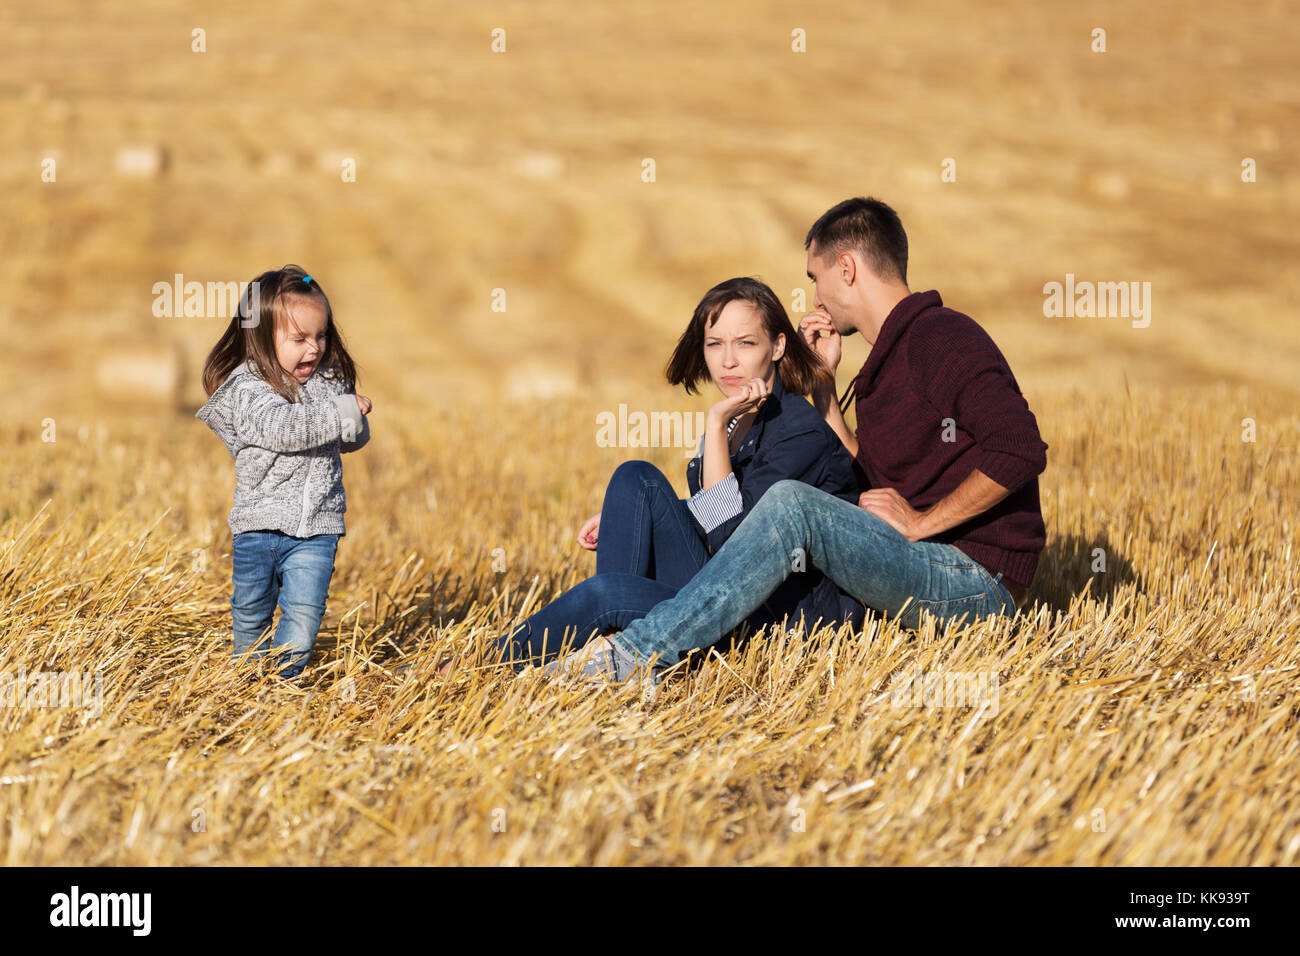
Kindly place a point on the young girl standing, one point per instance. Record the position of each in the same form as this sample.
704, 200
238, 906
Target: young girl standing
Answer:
282, 398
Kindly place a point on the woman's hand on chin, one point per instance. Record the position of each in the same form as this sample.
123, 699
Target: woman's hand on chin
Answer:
747, 398
589, 532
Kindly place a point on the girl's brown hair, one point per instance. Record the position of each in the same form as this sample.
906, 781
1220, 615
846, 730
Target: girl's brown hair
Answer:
799, 368
251, 334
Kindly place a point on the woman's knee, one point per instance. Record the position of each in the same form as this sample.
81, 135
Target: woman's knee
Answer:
636, 473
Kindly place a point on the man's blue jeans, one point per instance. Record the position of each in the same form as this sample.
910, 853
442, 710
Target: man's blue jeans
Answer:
796, 525
271, 566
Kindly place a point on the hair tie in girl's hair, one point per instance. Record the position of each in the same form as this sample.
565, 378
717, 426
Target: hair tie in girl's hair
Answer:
307, 279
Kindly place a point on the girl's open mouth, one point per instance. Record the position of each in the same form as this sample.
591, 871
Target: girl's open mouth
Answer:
305, 368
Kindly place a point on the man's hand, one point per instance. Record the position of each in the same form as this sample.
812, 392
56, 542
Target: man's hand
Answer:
825, 347
364, 404
891, 507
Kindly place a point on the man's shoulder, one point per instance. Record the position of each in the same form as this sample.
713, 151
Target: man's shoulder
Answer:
942, 324
942, 331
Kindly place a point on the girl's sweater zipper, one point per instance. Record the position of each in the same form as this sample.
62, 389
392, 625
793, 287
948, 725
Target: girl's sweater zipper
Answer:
306, 487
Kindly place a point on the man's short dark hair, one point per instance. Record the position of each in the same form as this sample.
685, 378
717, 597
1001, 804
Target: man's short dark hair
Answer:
868, 227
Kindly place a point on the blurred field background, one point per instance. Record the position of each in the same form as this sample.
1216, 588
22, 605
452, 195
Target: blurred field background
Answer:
1147, 713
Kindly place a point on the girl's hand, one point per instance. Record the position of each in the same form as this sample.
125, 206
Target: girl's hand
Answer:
589, 532
748, 397
364, 403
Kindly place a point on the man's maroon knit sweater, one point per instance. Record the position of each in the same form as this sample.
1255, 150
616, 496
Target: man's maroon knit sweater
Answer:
935, 401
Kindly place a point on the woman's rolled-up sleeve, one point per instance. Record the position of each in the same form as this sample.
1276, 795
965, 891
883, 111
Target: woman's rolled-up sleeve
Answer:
797, 456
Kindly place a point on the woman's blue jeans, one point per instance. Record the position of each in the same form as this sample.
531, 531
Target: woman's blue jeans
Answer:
647, 548
646, 530
271, 567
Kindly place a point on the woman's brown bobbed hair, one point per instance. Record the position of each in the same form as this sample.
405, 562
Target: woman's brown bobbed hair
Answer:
799, 368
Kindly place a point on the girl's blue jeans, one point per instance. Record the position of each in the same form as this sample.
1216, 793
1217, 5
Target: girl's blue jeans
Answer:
647, 550
271, 567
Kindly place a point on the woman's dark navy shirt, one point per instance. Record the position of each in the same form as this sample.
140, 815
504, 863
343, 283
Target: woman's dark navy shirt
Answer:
787, 440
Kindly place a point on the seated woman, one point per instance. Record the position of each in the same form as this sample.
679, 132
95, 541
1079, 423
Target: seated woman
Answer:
648, 542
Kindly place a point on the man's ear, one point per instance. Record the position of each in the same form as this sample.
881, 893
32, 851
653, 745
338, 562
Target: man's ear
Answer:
848, 268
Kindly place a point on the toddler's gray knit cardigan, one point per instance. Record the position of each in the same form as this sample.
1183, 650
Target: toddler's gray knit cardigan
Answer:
288, 473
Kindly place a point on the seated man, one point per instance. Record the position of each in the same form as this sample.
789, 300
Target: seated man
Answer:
948, 447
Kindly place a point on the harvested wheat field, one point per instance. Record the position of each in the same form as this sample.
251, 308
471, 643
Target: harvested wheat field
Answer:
506, 267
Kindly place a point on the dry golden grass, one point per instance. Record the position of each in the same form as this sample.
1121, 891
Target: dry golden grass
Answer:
1146, 715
